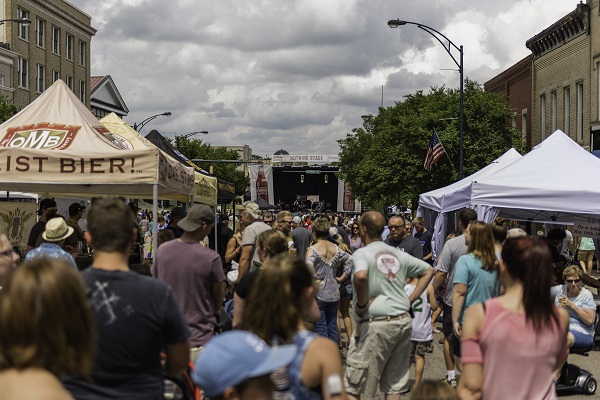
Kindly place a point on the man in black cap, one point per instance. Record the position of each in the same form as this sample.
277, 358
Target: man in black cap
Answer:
75, 214
47, 210
177, 214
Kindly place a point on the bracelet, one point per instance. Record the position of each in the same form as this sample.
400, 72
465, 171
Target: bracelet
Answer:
361, 305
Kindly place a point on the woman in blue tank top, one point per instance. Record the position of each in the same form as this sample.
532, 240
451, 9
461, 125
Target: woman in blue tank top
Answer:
276, 309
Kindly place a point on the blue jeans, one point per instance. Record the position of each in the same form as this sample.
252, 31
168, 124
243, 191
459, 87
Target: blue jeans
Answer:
327, 325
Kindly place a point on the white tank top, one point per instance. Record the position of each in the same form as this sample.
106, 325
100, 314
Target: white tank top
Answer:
421, 323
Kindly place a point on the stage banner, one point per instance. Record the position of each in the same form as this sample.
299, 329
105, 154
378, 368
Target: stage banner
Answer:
346, 200
261, 183
16, 221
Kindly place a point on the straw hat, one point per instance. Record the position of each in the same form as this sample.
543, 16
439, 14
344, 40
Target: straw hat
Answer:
57, 230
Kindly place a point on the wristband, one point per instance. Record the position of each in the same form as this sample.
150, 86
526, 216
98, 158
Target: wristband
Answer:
361, 305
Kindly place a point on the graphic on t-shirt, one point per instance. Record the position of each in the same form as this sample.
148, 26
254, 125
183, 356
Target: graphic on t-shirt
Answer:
100, 299
388, 265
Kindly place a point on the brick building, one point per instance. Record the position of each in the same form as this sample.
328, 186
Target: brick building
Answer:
565, 75
515, 84
56, 45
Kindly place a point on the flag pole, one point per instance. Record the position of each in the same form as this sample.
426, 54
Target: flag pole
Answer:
442, 144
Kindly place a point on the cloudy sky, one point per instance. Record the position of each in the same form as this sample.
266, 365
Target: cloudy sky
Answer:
295, 74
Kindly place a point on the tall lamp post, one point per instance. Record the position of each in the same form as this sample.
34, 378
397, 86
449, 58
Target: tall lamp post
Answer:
138, 127
187, 135
394, 23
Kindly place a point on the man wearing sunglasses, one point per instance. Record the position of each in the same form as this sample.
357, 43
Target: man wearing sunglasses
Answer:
399, 239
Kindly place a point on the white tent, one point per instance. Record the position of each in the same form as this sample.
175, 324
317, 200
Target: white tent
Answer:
435, 206
556, 182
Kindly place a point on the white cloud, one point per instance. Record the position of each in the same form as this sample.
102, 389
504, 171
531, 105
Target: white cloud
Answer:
297, 74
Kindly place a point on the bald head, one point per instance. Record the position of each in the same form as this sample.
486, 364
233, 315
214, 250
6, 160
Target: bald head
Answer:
372, 224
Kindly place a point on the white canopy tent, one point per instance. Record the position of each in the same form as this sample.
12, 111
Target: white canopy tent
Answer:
55, 146
556, 182
437, 205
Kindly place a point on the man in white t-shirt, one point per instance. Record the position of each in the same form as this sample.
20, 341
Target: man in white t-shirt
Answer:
379, 353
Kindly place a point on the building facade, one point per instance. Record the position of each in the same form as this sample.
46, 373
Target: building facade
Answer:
565, 76
515, 84
56, 45
105, 97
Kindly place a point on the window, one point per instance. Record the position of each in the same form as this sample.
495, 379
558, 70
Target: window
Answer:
55, 40
40, 32
82, 91
524, 123
1, 80
23, 29
543, 108
82, 48
70, 40
40, 75
553, 99
70, 82
22, 76
55, 76
567, 106
579, 111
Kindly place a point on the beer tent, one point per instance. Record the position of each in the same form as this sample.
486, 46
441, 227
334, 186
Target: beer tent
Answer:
437, 205
55, 145
205, 187
225, 190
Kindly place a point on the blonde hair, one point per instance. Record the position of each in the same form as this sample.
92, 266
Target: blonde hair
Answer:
46, 321
572, 271
320, 227
275, 307
482, 245
273, 241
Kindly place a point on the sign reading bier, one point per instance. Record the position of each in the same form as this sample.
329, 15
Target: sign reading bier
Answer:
41, 136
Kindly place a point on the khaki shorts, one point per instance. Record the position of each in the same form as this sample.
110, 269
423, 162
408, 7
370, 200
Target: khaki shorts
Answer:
381, 357
421, 348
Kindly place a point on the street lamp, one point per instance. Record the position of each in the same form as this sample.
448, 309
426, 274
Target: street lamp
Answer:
138, 127
23, 21
187, 135
394, 23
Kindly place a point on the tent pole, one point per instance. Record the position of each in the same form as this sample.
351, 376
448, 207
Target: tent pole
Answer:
154, 220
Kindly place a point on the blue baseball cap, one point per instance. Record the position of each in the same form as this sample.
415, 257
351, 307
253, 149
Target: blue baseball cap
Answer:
234, 356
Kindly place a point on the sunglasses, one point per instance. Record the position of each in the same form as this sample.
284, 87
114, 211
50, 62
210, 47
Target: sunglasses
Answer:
396, 227
572, 280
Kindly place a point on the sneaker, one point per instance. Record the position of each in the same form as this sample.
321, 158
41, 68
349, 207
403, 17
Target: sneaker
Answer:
436, 330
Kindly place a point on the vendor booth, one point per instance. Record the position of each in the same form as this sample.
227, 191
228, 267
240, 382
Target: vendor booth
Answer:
437, 206
205, 187
55, 146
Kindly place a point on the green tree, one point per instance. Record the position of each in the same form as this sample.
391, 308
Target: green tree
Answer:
383, 160
196, 149
7, 109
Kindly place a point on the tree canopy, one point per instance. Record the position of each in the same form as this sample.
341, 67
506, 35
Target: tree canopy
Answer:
7, 109
383, 160
196, 149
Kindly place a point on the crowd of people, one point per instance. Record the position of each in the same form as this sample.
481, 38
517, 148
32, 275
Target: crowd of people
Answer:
291, 285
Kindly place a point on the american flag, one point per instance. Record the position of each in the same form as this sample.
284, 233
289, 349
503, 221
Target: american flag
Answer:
434, 152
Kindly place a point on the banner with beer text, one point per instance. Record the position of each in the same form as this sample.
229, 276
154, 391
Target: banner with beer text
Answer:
261, 183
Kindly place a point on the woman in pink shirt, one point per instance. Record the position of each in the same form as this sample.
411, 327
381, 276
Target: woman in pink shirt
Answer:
512, 344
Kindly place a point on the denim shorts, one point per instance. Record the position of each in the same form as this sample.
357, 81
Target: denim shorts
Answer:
582, 339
